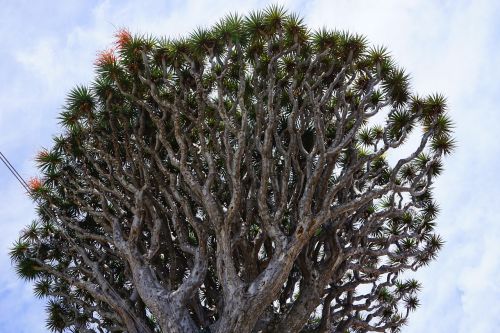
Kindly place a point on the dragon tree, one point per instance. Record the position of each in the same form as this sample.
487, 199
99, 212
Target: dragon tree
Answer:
253, 176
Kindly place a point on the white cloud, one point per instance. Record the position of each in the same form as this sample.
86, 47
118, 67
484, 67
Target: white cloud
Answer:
447, 46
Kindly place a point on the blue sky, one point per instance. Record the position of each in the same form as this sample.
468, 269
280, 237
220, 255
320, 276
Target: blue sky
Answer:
450, 46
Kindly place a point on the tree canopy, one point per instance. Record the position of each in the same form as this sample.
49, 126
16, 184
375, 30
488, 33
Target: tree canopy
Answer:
248, 177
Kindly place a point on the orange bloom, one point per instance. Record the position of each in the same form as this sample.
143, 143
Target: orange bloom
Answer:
123, 37
42, 155
34, 184
106, 57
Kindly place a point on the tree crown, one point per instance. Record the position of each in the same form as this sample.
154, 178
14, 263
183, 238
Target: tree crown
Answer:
237, 179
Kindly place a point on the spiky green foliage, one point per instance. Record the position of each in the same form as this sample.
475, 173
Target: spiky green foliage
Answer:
243, 178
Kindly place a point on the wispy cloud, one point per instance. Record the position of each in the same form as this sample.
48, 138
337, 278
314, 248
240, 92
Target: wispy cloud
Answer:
448, 46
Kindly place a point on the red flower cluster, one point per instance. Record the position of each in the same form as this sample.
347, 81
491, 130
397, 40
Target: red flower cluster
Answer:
106, 57
42, 155
123, 37
34, 184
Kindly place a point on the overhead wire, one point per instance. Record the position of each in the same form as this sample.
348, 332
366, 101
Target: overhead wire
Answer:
14, 172
26, 186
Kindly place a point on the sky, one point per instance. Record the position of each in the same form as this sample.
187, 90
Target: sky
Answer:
448, 46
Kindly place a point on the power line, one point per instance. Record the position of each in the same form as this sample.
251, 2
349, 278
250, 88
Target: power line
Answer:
14, 172
25, 185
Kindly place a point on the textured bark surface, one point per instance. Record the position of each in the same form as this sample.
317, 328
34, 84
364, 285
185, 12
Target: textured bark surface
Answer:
245, 179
